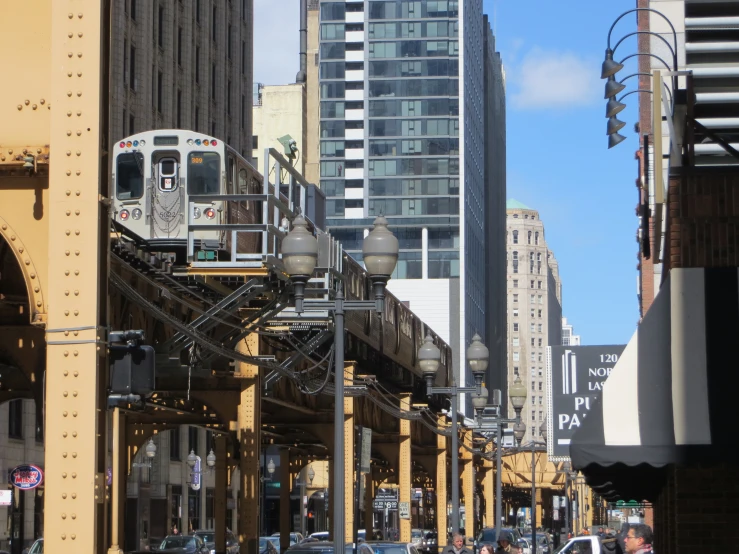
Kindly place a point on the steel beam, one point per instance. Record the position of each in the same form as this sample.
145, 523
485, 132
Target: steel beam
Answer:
249, 426
349, 371
441, 480
285, 488
405, 466
489, 489
75, 379
118, 486
468, 485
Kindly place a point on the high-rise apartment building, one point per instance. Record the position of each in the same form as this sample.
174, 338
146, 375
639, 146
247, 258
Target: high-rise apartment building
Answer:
183, 65
569, 338
403, 120
534, 308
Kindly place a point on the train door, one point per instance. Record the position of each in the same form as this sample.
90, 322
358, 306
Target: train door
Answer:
167, 196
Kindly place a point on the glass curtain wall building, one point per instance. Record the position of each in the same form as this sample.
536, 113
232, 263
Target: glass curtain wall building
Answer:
402, 101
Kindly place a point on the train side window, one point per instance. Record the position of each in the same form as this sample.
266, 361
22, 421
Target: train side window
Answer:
168, 174
203, 173
130, 176
231, 174
243, 182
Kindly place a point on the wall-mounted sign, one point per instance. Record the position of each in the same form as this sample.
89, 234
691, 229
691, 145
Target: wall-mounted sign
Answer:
6, 497
26, 477
576, 375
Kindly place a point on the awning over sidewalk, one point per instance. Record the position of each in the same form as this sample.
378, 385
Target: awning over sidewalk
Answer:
671, 398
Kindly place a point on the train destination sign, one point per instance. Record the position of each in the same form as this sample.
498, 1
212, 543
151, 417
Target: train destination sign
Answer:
575, 376
26, 477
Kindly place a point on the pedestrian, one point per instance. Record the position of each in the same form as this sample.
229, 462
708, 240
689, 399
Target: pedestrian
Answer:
175, 531
639, 539
505, 543
457, 546
601, 533
621, 536
487, 549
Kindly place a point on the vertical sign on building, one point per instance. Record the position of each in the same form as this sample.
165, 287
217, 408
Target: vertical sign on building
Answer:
575, 376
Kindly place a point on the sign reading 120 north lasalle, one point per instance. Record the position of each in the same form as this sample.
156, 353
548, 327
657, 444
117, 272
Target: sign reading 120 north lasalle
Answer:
575, 377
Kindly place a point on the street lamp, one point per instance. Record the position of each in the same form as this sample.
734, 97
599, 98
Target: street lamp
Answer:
543, 433
429, 358
149, 451
300, 256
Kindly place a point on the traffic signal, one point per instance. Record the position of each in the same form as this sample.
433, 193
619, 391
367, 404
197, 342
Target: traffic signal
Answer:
132, 365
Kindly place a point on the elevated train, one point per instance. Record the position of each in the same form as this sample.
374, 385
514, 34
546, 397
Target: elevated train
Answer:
158, 174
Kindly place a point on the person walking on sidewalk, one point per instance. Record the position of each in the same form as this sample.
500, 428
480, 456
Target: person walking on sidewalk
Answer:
457, 546
639, 539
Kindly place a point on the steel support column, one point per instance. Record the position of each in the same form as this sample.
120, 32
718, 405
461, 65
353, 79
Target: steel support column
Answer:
468, 484
369, 510
118, 485
221, 486
75, 379
348, 455
285, 488
441, 493
249, 429
489, 488
405, 477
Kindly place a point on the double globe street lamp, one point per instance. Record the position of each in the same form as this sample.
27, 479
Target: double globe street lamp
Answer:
299, 258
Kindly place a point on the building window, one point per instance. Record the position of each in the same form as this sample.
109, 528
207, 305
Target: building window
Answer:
193, 508
533, 356
540, 385
533, 414
532, 342
529, 237
515, 356
161, 26
192, 439
539, 284
228, 42
175, 444
539, 343
533, 314
515, 313
533, 386
532, 327
175, 515
213, 82
515, 370
540, 327
515, 298
160, 91
15, 419
179, 46
214, 27
197, 11
515, 283
515, 237
541, 400
532, 283
133, 10
197, 64
515, 327
539, 314
536, 238
515, 261
531, 299
132, 68
254, 142
515, 341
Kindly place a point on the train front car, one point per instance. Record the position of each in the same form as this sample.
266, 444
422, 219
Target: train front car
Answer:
154, 174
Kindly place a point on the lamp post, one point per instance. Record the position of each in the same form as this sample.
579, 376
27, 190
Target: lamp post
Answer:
149, 451
429, 358
543, 431
300, 256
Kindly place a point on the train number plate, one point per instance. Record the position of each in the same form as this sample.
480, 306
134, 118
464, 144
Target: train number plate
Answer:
168, 215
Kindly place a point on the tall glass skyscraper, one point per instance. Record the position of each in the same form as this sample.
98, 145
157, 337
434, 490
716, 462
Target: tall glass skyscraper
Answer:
402, 123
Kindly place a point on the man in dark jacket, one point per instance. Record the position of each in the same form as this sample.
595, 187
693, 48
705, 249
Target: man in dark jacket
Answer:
457, 546
505, 543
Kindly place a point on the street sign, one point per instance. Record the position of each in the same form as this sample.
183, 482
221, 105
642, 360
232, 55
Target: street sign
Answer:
366, 438
404, 510
385, 504
575, 377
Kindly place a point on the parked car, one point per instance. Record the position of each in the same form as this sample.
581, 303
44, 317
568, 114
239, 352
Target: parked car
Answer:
319, 535
295, 538
209, 538
525, 545
388, 547
327, 547
543, 544
489, 535
269, 545
417, 537
184, 544
429, 543
36, 548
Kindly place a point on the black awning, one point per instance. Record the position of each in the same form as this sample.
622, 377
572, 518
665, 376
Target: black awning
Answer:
670, 399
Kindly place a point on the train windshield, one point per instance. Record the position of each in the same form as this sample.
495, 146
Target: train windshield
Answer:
130, 176
203, 173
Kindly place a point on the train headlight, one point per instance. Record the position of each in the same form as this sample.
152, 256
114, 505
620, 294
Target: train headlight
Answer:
124, 215
210, 213
136, 213
196, 213
142, 143
190, 142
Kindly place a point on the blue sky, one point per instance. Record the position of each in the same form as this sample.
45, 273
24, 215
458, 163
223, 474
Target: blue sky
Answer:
558, 161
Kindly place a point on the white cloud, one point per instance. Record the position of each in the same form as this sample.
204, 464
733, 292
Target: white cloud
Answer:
276, 41
547, 79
